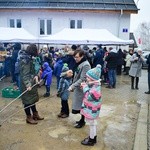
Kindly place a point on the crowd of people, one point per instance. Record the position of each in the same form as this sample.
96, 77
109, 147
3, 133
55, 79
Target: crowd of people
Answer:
77, 69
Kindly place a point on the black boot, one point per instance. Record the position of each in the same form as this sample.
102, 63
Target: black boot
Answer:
95, 139
88, 141
148, 92
132, 82
80, 123
137, 81
46, 95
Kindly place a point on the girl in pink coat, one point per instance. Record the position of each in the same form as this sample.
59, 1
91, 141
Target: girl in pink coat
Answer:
91, 102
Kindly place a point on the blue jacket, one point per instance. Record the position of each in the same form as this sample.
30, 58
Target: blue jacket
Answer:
58, 67
64, 84
47, 74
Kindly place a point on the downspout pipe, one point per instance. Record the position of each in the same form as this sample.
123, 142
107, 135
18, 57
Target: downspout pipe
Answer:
121, 13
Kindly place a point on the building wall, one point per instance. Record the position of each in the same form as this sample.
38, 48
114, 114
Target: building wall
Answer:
114, 22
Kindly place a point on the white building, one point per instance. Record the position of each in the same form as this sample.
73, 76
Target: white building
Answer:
45, 17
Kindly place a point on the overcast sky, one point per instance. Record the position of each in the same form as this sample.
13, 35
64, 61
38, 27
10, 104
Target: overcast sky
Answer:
142, 16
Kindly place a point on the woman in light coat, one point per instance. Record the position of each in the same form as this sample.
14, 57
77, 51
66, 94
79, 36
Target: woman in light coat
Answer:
82, 66
136, 67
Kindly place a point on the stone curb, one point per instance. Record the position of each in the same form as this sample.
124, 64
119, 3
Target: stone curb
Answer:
140, 142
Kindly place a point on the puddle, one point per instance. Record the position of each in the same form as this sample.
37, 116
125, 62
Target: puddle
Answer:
58, 131
107, 110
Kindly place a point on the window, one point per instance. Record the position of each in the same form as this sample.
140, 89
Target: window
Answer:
18, 23
79, 24
75, 24
15, 23
45, 27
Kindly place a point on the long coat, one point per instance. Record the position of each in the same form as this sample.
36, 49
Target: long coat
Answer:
79, 77
27, 73
136, 66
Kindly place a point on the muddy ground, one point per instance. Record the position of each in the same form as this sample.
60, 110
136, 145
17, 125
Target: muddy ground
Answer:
116, 125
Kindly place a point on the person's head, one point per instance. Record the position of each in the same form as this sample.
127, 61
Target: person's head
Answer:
32, 50
94, 74
17, 46
99, 46
45, 48
139, 51
64, 69
73, 47
45, 65
78, 55
110, 48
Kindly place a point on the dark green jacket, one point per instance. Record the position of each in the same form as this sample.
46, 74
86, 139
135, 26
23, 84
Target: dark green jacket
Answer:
27, 73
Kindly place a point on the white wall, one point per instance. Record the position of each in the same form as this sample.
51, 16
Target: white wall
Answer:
60, 20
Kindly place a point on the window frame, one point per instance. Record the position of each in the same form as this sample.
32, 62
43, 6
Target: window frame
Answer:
15, 22
78, 23
47, 21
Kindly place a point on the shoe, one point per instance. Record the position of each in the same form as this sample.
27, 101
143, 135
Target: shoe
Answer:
60, 114
109, 87
95, 139
136, 88
30, 120
36, 116
88, 142
64, 116
148, 92
80, 125
46, 95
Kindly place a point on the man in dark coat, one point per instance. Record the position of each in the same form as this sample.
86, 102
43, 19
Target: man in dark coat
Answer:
112, 65
16, 49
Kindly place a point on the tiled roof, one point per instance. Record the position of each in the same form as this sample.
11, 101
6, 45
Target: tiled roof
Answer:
71, 4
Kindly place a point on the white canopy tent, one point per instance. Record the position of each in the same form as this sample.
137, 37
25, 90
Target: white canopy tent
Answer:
84, 36
11, 35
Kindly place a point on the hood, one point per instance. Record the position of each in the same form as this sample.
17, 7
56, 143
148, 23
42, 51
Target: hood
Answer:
45, 65
22, 55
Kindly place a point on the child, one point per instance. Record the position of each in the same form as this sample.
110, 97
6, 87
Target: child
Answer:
47, 76
91, 104
58, 67
63, 92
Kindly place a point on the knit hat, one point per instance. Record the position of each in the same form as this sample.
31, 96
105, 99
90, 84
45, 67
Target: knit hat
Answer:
94, 73
65, 67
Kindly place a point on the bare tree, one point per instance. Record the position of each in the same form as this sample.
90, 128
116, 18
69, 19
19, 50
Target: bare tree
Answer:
144, 34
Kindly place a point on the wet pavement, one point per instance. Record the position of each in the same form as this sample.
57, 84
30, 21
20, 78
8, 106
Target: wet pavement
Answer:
117, 126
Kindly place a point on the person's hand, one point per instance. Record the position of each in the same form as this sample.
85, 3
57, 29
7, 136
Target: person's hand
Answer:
83, 84
136, 58
70, 89
36, 79
29, 88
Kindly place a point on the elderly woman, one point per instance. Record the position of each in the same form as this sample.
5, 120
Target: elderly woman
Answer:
136, 66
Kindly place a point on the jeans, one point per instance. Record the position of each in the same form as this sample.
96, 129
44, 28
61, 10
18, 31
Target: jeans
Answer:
112, 77
47, 88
